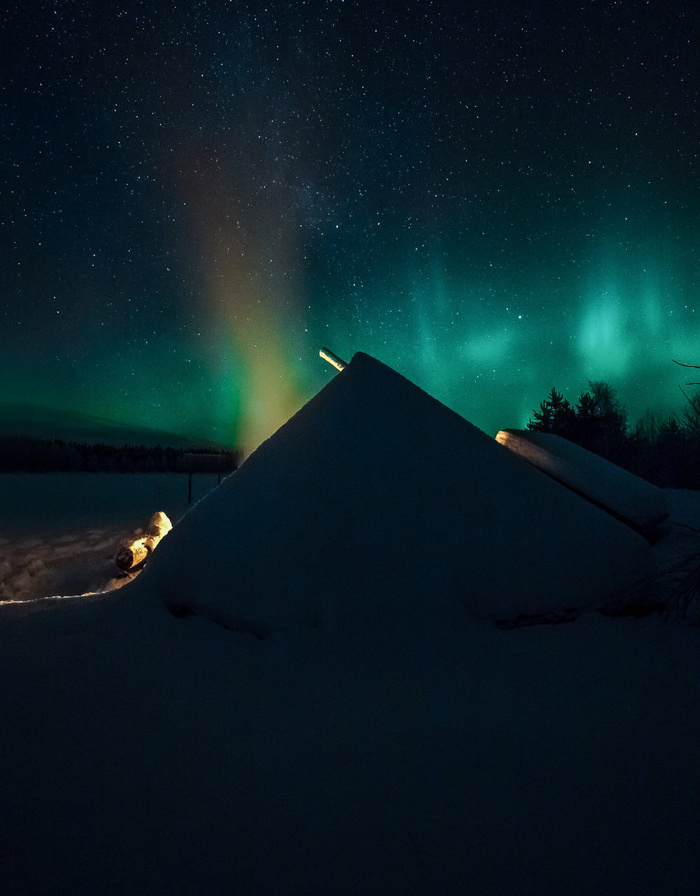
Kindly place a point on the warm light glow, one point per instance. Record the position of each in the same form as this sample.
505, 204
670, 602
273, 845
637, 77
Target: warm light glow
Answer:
250, 298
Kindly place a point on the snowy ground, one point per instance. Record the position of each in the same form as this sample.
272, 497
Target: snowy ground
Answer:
59, 533
147, 755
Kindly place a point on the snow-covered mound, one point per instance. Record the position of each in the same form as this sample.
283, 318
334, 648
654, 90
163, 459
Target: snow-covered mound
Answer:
376, 502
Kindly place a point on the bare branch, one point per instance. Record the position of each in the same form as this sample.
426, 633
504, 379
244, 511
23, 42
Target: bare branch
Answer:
694, 366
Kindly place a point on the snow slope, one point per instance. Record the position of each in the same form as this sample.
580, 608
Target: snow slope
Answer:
59, 532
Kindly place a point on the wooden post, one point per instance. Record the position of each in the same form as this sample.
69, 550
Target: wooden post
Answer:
199, 462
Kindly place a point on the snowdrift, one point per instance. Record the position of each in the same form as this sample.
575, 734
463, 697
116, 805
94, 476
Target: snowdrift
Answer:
376, 502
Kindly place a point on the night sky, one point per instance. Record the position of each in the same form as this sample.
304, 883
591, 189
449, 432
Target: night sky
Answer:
493, 198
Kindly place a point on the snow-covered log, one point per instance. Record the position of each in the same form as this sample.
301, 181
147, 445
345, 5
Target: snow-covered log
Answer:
158, 525
134, 552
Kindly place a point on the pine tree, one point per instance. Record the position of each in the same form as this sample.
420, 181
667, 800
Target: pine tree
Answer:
555, 415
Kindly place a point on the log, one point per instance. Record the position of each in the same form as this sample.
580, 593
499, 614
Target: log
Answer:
159, 524
133, 552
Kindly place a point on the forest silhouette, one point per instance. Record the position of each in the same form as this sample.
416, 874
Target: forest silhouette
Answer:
19, 454
662, 450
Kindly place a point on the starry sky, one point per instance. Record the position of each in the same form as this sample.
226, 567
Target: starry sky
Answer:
493, 198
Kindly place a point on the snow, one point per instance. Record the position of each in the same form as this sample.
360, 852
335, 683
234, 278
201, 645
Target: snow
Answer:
628, 496
376, 502
147, 754
59, 533
50, 503
154, 755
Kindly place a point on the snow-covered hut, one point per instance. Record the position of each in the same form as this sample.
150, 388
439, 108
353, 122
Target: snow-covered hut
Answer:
377, 502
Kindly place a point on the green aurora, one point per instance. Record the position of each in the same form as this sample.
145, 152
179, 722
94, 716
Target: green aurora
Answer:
492, 203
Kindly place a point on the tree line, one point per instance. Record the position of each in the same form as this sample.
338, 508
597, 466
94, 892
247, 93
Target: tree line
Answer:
663, 450
20, 454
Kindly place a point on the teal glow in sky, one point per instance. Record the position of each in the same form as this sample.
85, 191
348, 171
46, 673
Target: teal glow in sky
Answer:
494, 202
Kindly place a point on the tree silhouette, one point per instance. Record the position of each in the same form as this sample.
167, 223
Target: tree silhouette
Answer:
555, 415
598, 422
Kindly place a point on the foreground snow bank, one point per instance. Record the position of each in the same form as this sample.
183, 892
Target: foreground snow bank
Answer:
147, 755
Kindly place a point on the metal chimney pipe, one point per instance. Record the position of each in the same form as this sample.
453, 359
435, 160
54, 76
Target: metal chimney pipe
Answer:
332, 359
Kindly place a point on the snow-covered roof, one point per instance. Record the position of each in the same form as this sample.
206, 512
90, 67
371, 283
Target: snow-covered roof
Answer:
629, 497
375, 501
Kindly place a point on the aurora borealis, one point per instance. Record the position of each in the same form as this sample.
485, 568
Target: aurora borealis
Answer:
491, 198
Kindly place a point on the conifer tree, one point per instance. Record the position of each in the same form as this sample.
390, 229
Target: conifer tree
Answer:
555, 415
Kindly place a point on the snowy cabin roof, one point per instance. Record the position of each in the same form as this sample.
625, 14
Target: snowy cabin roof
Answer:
375, 501
634, 500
